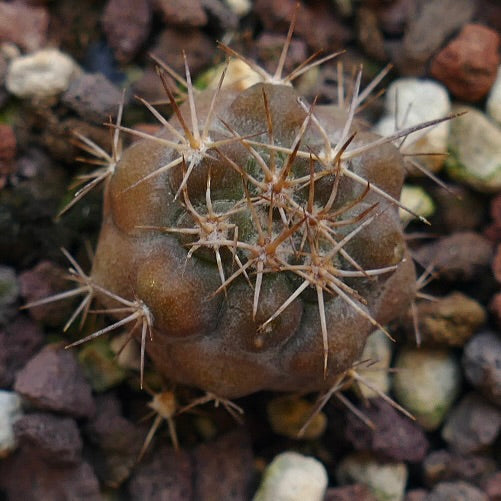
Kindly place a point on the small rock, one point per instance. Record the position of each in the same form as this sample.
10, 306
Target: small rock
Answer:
220, 16
117, 442
198, 46
469, 63
10, 412
224, 468
165, 475
126, 24
287, 415
443, 465
416, 495
53, 380
179, 12
8, 145
495, 307
426, 384
448, 321
423, 35
23, 25
127, 351
355, 492
493, 104
269, 46
385, 480
378, 350
492, 486
472, 425
462, 256
42, 281
496, 264
394, 16
20, 339
475, 146
395, 436
482, 365
457, 491
100, 366
369, 34
9, 292
239, 76
239, 7
329, 30
25, 476
53, 438
458, 210
42, 74
417, 101
293, 477
93, 97
417, 200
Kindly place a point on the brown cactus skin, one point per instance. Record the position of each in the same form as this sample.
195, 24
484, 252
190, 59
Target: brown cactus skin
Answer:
211, 341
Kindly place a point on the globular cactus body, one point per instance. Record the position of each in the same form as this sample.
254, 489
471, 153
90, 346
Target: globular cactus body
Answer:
261, 234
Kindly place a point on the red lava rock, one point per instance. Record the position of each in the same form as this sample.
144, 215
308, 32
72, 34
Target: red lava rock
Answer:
493, 231
395, 436
42, 281
167, 474
424, 35
23, 25
329, 33
199, 49
353, 492
443, 465
52, 438
24, 476
492, 486
461, 256
8, 147
472, 425
20, 339
269, 47
489, 12
53, 380
117, 441
93, 97
457, 491
461, 211
468, 64
495, 307
127, 26
482, 365
224, 468
180, 12
448, 321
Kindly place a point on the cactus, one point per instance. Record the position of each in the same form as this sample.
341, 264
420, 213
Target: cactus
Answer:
254, 242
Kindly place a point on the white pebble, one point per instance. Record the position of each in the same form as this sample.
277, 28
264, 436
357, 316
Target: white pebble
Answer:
410, 102
475, 145
10, 411
494, 99
386, 481
293, 477
426, 384
44, 73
